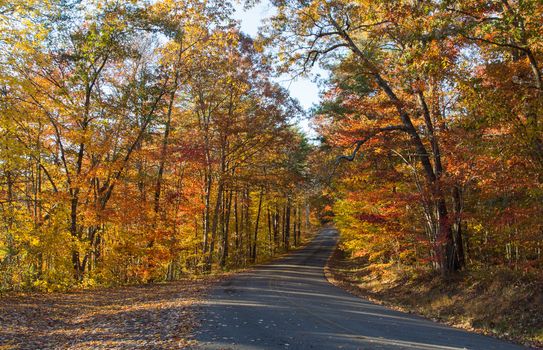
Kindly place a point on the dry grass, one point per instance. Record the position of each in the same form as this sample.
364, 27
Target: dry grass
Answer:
502, 303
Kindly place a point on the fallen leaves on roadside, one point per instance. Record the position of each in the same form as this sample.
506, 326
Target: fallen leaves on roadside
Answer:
490, 305
157, 316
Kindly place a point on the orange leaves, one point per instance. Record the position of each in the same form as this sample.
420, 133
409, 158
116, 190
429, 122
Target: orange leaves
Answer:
371, 218
468, 79
123, 138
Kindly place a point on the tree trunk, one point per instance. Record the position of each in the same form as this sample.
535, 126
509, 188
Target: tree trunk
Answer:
226, 228
165, 140
214, 226
287, 225
295, 225
457, 226
253, 253
248, 225
206, 214
299, 231
283, 227
276, 218
270, 242
236, 229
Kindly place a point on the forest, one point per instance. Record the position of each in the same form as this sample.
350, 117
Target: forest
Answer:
438, 106
141, 141
144, 140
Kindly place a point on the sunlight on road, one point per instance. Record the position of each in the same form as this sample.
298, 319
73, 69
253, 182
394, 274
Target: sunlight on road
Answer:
290, 304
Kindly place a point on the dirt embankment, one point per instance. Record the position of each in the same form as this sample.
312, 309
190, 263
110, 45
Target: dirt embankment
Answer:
502, 303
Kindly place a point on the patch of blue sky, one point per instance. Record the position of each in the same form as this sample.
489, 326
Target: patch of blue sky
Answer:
304, 88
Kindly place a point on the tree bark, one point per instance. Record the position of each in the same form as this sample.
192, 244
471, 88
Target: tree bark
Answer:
253, 253
270, 241
226, 229
457, 226
287, 225
214, 226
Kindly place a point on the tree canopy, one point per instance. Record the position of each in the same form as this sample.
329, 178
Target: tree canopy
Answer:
436, 103
140, 141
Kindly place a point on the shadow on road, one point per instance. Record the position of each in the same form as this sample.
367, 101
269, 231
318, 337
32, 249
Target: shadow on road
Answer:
289, 304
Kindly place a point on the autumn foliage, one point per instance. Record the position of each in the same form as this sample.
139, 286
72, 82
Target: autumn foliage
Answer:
140, 141
437, 105
146, 140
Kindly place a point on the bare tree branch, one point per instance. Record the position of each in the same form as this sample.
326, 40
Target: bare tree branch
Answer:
360, 142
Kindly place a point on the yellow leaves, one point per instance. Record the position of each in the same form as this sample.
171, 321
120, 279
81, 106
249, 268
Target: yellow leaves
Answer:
258, 46
86, 121
478, 227
4, 251
34, 241
377, 256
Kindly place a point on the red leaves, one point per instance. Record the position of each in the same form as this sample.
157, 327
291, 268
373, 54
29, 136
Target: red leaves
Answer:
371, 218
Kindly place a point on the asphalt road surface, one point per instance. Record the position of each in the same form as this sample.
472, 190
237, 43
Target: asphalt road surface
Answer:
289, 304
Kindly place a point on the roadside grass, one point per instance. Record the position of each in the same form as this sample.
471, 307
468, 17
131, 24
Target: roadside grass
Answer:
502, 303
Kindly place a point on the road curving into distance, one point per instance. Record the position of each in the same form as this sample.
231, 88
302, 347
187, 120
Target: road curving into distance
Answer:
289, 304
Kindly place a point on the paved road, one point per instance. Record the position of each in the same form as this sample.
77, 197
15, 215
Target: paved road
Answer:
290, 305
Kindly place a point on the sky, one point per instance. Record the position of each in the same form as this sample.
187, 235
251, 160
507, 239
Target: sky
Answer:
303, 89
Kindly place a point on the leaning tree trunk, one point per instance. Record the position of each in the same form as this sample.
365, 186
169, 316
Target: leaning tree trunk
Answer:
445, 247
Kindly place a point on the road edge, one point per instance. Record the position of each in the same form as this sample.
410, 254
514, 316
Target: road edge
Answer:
335, 279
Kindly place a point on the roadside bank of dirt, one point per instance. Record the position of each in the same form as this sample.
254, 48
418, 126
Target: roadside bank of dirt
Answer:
495, 303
